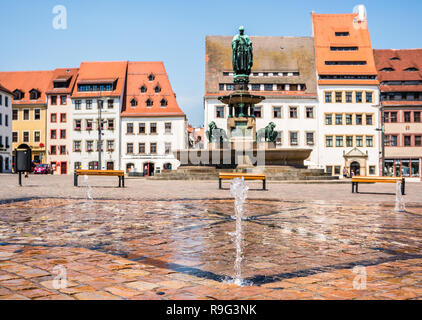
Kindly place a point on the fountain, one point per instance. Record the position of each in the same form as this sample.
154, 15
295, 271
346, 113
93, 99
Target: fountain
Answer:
400, 204
89, 192
239, 190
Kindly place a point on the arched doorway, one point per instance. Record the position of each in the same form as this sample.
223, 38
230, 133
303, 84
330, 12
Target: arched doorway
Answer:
355, 168
129, 167
149, 168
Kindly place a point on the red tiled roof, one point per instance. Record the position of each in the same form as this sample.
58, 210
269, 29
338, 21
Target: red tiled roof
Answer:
26, 81
63, 74
4, 89
137, 76
325, 26
90, 72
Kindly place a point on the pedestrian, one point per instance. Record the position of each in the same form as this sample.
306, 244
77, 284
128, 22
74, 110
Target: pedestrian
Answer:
345, 173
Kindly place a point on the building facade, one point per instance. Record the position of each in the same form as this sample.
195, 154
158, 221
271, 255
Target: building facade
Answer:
153, 125
59, 119
284, 73
348, 93
29, 109
400, 76
5, 130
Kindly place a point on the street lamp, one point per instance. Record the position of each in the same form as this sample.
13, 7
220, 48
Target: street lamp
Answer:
100, 104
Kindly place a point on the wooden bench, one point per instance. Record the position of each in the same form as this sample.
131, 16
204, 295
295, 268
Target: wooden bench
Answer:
357, 180
246, 176
108, 173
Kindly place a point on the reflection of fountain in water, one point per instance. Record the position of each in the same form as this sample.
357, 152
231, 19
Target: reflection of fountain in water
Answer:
89, 192
400, 204
239, 190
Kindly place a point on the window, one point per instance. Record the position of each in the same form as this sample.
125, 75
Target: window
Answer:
133, 102
394, 141
310, 138
62, 149
345, 63
62, 133
15, 114
279, 138
34, 95
393, 117
78, 165
407, 116
95, 87
37, 136
97, 144
339, 97
78, 124
88, 104
53, 100
349, 141
14, 137
142, 128
167, 127
349, 119
337, 170
37, 114
417, 116
110, 145
110, 103
53, 150
268, 87
153, 128
359, 141
412, 69
368, 97
78, 104
256, 87
277, 112
89, 124
76, 146
53, 134
293, 112
221, 86
358, 97
153, 148
418, 141
149, 102
329, 170
157, 89
369, 121
358, 119
257, 112
339, 119
18, 95
90, 145
93, 165
407, 141
151, 77
63, 100
387, 70
328, 97
230, 87
339, 142
349, 97
219, 112
309, 112
129, 128
328, 119
167, 148
293, 138
328, 141
163, 102
100, 104
344, 48
26, 114
6, 101
110, 124
369, 141
142, 147
342, 34
63, 117
143, 89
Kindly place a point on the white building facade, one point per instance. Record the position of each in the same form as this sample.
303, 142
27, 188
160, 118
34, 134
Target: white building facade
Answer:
5, 130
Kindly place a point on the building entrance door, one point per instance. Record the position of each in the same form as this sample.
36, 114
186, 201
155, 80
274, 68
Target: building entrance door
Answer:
110, 165
149, 169
355, 168
63, 167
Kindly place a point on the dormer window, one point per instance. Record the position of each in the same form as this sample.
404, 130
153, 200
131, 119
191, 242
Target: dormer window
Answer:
151, 77
387, 70
133, 102
412, 69
149, 103
18, 95
395, 59
143, 89
342, 34
157, 89
34, 94
163, 102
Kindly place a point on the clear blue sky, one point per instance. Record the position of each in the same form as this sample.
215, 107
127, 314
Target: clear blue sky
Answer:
174, 31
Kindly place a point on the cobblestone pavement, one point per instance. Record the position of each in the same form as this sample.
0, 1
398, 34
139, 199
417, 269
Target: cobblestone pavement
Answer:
183, 249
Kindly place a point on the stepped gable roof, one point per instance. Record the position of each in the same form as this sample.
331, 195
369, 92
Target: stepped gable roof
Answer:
68, 75
149, 75
100, 73
270, 54
355, 34
26, 81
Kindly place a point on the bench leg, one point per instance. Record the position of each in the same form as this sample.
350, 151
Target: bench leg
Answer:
75, 179
123, 181
403, 187
357, 187
264, 185
219, 184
